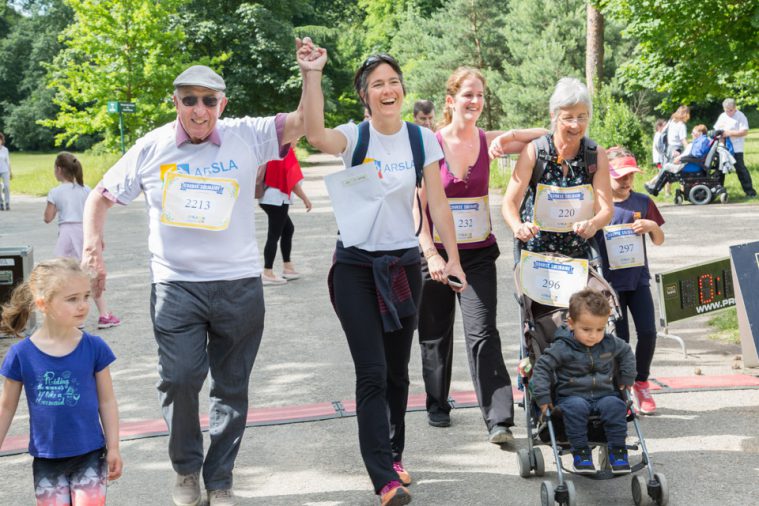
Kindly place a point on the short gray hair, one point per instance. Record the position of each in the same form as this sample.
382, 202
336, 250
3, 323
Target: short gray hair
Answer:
569, 91
728, 103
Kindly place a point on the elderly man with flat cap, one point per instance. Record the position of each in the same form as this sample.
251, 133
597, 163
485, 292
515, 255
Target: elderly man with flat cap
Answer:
207, 306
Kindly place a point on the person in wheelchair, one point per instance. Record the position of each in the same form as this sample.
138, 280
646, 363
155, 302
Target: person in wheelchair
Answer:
688, 164
580, 368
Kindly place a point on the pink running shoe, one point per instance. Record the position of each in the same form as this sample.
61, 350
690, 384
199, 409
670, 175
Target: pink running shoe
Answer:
646, 404
402, 473
108, 321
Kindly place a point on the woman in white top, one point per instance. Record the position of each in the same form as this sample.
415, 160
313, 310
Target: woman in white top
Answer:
5, 175
67, 201
384, 269
677, 132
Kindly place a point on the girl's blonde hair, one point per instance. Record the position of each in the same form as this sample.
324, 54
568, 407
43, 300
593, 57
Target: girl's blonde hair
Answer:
44, 281
453, 86
682, 114
70, 167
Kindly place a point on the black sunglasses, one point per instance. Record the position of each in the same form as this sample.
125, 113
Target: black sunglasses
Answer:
208, 100
379, 58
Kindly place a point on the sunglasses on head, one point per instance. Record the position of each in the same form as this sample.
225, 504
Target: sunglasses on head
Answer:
379, 58
208, 100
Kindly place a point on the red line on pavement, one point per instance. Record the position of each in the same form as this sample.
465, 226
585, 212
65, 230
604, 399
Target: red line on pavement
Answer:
326, 410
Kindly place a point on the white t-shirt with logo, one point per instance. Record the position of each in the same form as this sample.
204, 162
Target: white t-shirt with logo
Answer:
737, 122
68, 199
197, 254
391, 154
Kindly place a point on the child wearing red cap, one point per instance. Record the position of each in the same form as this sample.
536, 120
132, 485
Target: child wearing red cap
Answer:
625, 265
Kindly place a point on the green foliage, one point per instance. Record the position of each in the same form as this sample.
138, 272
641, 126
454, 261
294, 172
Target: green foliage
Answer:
692, 51
464, 32
115, 50
614, 124
32, 41
545, 41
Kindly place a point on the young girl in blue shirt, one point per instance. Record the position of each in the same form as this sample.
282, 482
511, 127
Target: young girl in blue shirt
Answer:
74, 427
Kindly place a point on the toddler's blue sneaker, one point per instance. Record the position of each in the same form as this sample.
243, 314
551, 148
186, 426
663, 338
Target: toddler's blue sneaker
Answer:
618, 460
582, 461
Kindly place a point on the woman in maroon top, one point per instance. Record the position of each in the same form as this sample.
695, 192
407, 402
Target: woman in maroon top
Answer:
465, 173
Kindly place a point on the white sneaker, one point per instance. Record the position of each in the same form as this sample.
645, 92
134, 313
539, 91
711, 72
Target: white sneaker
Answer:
267, 281
221, 498
187, 490
290, 275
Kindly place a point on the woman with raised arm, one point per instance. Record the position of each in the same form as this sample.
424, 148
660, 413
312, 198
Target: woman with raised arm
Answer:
376, 282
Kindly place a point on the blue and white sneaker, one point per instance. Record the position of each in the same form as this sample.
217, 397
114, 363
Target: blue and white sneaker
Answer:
618, 460
582, 461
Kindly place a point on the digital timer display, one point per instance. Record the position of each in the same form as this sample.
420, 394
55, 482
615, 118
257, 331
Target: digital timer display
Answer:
695, 290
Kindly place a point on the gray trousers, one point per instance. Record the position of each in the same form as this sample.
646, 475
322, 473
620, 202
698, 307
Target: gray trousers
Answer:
214, 325
6, 177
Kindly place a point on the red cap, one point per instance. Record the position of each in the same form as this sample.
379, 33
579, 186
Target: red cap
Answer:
622, 166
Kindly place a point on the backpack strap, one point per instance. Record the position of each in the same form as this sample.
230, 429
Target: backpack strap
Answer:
417, 150
362, 144
542, 156
591, 156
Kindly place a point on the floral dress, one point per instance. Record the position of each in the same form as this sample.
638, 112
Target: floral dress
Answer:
565, 243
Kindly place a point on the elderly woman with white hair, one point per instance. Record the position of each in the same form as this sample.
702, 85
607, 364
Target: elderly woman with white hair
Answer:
559, 194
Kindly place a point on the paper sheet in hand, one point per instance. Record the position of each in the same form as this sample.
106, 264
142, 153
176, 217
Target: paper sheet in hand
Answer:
357, 196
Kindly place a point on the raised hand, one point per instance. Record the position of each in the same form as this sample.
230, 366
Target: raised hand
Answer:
310, 57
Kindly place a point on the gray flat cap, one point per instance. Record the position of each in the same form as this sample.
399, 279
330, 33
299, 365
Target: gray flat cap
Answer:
200, 75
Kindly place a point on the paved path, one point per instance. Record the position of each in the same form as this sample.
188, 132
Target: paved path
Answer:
706, 442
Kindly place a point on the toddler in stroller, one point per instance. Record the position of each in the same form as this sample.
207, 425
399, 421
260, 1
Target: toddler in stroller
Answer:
701, 169
579, 370
577, 373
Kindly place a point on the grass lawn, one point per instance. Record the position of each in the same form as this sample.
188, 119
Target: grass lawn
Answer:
33, 172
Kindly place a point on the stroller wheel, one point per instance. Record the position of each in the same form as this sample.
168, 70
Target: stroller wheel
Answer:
571, 494
640, 491
547, 494
540, 465
700, 194
663, 499
523, 459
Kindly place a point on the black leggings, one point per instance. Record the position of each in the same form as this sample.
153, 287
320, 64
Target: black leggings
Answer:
381, 363
281, 229
641, 306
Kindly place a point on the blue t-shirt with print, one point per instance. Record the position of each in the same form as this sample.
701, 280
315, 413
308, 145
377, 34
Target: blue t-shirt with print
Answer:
62, 395
637, 206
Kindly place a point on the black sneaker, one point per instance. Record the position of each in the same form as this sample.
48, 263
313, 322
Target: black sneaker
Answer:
582, 461
439, 419
651, 189
618, 460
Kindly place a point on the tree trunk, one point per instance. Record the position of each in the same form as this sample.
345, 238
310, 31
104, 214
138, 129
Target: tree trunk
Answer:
594, 48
